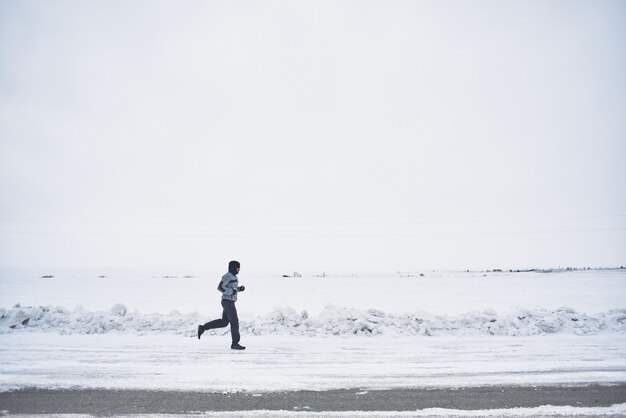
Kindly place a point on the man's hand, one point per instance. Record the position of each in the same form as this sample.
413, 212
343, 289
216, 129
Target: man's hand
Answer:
241, 288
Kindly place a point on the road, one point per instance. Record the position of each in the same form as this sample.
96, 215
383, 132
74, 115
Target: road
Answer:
116, 402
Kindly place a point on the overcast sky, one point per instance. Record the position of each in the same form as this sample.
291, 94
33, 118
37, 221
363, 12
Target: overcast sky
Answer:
312, 135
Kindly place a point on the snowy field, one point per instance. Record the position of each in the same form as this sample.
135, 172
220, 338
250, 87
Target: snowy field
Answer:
541, 411
370, 332
282, 362
438, 293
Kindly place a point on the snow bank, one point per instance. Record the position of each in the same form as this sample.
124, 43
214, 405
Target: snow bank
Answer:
331, 321
81, 321
342, 321
540, 411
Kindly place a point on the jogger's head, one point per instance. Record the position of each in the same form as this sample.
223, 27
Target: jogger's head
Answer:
233, 267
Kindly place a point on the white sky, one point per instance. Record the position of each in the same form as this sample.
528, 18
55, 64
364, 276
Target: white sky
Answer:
312, 135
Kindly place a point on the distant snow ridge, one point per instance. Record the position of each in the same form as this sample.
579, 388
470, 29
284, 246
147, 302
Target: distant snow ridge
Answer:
331, 321
80, 321
343, 321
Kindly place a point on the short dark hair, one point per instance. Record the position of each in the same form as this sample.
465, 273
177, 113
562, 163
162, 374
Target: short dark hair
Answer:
234, 265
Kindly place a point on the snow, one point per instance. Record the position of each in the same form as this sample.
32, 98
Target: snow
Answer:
438, 293
284, 362
370, 332
519, 304
331, 321
541, 411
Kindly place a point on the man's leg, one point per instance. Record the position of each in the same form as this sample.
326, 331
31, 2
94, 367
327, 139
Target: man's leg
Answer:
231, 312
217, 323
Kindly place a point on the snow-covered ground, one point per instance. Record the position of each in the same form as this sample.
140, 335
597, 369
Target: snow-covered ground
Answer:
443, 329
438, 293
282, 362
541, 411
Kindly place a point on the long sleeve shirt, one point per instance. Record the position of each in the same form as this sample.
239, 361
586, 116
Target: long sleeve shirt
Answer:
228, 286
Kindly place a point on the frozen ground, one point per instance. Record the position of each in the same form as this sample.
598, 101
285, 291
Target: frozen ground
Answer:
542, 411
523, 304
281, 362
437, 293
441, 330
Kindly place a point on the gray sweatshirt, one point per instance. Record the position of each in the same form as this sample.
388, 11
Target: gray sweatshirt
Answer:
228, 286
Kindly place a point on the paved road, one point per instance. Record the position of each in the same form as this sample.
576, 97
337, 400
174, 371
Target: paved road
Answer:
111, 402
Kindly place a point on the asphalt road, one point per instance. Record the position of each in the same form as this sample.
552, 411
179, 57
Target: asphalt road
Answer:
115, 402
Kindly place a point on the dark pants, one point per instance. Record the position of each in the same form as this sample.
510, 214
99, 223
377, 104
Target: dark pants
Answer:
229, 316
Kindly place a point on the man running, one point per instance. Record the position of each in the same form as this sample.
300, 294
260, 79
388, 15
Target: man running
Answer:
229, 286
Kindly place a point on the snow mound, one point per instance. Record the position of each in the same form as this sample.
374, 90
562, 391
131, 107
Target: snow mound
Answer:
331, 321
80, 321
343, 321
